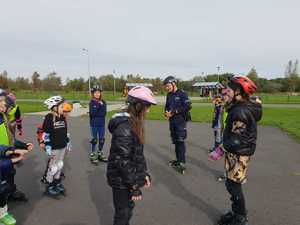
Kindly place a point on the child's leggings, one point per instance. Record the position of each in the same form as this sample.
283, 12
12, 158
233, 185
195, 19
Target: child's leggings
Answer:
56, 164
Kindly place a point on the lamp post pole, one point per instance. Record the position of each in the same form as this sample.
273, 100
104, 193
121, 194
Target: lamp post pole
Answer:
88, 66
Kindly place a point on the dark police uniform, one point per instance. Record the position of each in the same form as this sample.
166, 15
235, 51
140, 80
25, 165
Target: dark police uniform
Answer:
179, 104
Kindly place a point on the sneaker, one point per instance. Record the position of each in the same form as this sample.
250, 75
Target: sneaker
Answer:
8, 219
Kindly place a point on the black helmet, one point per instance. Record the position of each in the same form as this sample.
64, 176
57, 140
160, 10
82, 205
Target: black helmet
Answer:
169, 79
96, 88
9, 102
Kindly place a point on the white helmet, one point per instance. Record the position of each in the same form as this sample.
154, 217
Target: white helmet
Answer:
53, 101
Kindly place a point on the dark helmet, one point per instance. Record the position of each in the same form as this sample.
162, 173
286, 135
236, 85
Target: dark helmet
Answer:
96, 88
169, 79
9, 102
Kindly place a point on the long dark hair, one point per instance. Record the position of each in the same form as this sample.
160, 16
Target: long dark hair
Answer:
137, 113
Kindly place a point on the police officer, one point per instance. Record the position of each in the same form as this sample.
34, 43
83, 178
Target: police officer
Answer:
177, 111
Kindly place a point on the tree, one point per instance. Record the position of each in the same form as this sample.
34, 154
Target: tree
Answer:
253, 75
292, 76
36, 81
3, 80
22, 83
52, 82
76, 84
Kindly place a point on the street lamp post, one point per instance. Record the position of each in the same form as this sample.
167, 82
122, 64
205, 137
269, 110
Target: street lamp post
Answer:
114, 72
88, 64
218, 68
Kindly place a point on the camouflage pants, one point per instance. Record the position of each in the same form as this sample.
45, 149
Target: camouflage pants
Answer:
236, 167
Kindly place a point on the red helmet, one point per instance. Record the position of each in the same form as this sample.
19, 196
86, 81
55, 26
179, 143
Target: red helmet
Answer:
248, 85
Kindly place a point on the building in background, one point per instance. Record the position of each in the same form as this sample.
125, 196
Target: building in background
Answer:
208, 89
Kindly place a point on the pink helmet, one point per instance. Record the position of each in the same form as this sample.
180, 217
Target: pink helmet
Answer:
12, 97
141, 93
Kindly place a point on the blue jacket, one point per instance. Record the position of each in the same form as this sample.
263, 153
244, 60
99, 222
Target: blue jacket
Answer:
179, 104
98, 111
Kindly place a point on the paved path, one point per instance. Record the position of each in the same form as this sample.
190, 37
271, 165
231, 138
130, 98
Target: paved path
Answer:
197, 198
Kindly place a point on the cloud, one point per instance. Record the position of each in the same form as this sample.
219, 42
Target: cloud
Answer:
149, 37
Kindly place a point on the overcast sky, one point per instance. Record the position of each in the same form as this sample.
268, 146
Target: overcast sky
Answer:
151, 37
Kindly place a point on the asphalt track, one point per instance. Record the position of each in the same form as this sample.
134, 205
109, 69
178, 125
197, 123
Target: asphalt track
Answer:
272, 191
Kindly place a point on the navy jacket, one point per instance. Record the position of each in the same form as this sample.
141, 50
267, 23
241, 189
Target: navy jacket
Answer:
179, 104
98, 111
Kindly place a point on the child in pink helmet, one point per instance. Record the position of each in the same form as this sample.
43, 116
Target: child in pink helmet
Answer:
127, 169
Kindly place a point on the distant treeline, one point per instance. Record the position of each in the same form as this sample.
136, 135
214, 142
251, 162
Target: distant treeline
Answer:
53, 82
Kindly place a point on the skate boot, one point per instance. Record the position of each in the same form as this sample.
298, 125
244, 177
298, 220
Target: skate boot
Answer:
101, 157
238, 220
226, 218
52, 191
173, 162
94, 158
179, 167
7, 219
60, 187
216, 154
17, 196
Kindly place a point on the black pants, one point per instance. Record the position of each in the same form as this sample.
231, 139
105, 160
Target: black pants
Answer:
4, 193
180, 151
179, 134
123, 206
237, 197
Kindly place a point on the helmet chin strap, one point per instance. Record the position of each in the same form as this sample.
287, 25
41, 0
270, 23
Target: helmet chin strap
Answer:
173, 87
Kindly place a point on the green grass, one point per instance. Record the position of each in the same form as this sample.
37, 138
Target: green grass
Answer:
72, 95
266, 99
27, 107
280, 99
288, 119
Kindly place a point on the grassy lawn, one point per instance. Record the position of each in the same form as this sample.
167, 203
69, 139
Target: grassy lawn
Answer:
266, 99
73, 95
27, 107
288, 119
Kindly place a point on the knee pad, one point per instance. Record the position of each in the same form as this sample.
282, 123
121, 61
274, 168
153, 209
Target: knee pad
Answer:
60, 165
56, 167
102, 141
94, 141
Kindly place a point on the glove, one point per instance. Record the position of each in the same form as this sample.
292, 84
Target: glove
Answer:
48, 150
20, 132
136, 193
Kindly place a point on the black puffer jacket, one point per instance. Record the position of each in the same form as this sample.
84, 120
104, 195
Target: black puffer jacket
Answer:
240, 133
127, 168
